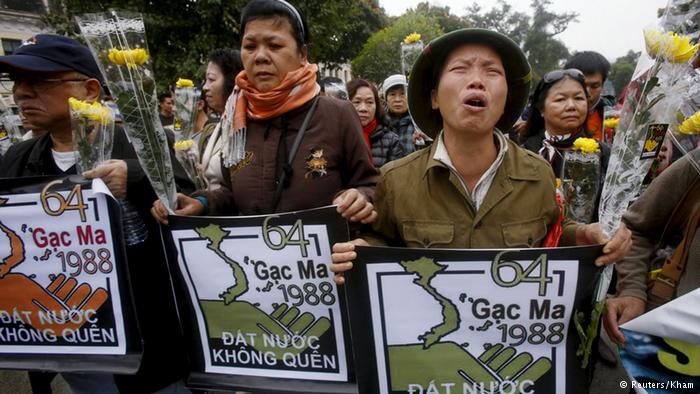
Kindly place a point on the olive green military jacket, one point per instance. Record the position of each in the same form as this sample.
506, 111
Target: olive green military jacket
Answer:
421, 203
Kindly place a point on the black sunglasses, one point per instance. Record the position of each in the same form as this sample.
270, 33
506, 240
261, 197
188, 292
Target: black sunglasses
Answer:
554, 76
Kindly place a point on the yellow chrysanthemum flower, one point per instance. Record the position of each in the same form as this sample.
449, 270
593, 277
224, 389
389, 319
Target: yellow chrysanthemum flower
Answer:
411, 38
650, 145
184, 145
691, 125
611, 123
92, 111
78, 105
669, 46
586, 145
184, 83
128, 57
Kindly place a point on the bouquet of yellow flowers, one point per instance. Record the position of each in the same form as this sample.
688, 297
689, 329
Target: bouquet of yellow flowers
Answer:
411, 47
118, 43
581, 179
186, 96
658, 88
93, 133
654, 96
185, 148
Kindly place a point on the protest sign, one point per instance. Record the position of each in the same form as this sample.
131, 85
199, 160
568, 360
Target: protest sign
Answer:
64, 297
260, 303
662, 347
474, 321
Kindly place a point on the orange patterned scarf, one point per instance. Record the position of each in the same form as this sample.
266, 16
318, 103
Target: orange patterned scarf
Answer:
295, 90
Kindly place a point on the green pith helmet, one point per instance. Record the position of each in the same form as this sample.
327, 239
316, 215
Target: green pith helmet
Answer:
424, 76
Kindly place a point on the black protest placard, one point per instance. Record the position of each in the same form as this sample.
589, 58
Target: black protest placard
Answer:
65, 301
474, 321
259, 303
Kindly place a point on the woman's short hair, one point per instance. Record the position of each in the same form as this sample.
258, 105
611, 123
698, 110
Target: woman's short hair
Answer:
355, 84
263, 9
535, 121
229, 61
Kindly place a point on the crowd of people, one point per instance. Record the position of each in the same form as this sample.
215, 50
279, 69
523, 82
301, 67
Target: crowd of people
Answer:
459, 155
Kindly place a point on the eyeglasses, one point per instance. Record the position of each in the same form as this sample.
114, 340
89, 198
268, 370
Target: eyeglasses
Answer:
37, 84
554, 76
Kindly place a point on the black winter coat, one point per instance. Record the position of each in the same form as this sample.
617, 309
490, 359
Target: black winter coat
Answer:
385, 146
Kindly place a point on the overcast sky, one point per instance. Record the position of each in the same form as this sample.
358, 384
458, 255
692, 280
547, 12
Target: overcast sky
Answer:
611, 27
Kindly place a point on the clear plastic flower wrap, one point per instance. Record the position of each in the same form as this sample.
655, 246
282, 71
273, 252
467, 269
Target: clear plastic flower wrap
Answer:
9, 128
686, 130
186, 96
187, 154
654, 96
411, 48
658, 89
93, 133
581, 181
118, 43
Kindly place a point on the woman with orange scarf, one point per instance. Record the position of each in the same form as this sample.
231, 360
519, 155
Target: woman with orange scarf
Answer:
276, 100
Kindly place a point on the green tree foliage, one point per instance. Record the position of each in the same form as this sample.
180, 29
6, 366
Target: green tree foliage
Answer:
536, 34
181, 33
381, 55
622, 70
543, 50
501, 18
448, 21
339, 28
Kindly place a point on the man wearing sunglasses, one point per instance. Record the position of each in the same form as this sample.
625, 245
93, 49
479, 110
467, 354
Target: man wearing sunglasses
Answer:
473, 188
47, 70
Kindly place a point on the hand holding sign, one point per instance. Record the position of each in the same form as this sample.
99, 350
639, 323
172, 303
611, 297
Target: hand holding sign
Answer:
343, 256
615, 248
113, 173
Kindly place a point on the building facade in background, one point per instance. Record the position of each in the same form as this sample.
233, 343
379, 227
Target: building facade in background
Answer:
342, 71
19, 20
